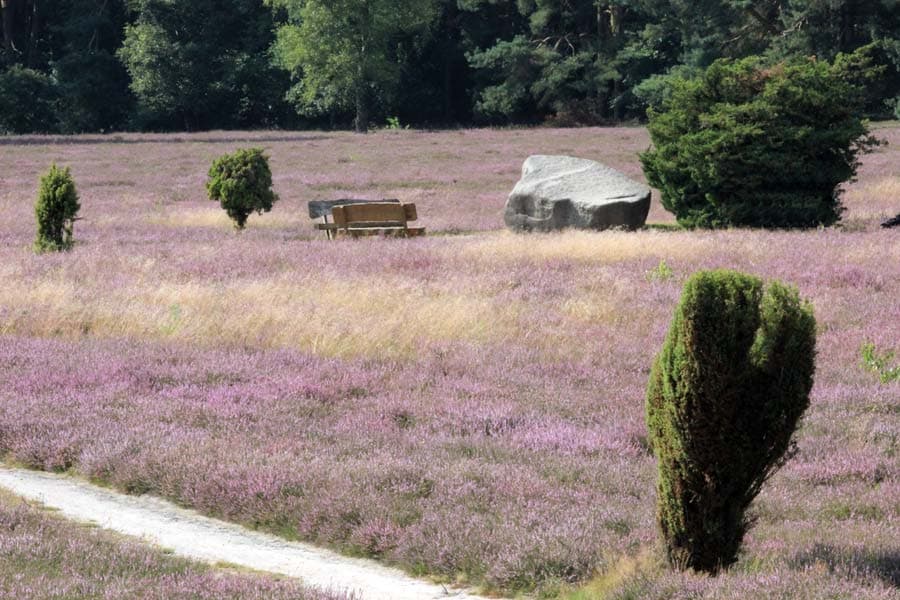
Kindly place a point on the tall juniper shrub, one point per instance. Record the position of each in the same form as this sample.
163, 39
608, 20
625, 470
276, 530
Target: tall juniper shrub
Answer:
55, 210
753, 144
725, 396
242, 183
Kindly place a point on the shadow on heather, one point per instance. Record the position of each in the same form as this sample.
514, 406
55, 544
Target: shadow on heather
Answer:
853, 562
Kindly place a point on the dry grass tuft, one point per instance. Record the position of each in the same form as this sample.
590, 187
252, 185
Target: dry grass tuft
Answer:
614, 581
214, 217
581, 246
871, 199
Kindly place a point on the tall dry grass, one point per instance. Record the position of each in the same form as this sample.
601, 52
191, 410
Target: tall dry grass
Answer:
380, 317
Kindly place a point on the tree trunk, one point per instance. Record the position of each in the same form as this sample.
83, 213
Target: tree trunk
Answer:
362, 97
94, 42
361, 87
362, 109
616, 18
452, 25
7, 14
34, 34
845, 26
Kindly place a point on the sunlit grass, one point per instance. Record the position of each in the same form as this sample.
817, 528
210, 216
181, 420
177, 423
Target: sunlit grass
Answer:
589, 247
387, 317
875, 198
215, 217
621, 579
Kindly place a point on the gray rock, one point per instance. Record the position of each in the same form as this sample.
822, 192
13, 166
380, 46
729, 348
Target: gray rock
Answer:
557, 192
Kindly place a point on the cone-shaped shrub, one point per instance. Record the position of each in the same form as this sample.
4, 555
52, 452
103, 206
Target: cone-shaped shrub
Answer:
55, 210
725, 396
242, 183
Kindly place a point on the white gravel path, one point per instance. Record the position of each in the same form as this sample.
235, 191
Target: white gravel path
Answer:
192, 535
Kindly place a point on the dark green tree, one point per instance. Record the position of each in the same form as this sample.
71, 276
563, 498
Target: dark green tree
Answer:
826, 28
757, 144
94, 83
28, 101
725, 396
340, 51
566, 62
25, 36
678, 38
95, 88
201, 64
215, 64
71, 43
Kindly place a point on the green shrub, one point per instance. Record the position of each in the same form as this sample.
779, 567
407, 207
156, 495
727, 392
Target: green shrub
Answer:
760, 145
56, 210
655, 90
242, 183
879, 363
725, 395
662, 272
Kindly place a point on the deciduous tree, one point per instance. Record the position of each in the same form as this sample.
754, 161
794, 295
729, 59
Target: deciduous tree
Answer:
341, 51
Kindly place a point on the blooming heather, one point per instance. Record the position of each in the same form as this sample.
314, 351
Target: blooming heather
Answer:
42, 556
465, 405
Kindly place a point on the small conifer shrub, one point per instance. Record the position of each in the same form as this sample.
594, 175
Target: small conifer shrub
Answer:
56, 210
753, 144
242, 183
725, 396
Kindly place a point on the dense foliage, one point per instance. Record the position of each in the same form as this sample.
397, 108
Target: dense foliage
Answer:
761, 145
55, 210
179, 64
202, 65
341, 50
37, 114
242, 183
725, 395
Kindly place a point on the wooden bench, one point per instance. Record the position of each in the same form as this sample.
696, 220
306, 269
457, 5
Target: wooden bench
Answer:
372, 218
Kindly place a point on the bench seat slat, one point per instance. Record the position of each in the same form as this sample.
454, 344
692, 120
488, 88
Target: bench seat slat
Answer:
375, 224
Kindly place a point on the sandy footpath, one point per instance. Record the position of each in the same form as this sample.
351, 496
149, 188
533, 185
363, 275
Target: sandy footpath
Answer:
192, 535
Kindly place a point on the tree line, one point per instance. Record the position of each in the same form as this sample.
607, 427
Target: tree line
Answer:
103, 65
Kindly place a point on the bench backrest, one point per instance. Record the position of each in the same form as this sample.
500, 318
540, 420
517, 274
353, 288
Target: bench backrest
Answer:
322, 208
376, 214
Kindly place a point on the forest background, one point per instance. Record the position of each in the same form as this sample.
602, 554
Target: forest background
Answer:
73, 66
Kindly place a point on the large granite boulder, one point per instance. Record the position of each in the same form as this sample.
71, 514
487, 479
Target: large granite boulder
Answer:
557, 192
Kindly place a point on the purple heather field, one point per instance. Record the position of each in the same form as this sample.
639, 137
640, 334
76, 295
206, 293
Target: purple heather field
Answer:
468, 405
42, 556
